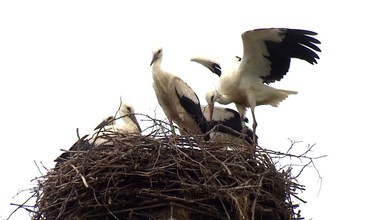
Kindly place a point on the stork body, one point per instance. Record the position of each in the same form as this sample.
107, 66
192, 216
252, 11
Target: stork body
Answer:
266, 59
130, 124
174, 95
106, 127
227, 126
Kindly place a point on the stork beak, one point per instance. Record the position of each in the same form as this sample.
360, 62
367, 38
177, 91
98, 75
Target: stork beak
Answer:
101, 125
105, 122
211, 109
154, 58
133, 118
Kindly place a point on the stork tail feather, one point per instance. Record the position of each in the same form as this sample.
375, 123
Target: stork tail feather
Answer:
280, 96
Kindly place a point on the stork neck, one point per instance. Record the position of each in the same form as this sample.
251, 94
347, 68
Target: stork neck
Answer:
157, 64
127, 120
224, 100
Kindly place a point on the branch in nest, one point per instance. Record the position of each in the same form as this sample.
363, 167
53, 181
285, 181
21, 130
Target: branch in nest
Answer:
136, 173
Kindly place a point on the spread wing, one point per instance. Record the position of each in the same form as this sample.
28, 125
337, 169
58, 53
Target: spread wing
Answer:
268, 52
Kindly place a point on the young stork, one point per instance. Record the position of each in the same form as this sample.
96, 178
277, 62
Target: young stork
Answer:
107, 126
130, 126
225, 122
266, 59
171, 92
227, 125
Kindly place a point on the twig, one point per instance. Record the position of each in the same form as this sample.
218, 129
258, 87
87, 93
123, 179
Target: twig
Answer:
20, 206
135, 172
253, 209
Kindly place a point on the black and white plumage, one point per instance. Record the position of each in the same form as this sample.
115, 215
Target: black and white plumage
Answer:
266, 58
225, 122
175, 96
106, 127
227, 125
181, 105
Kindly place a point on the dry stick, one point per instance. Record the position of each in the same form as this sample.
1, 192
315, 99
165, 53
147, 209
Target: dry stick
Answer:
292, 143
158, 156
194, 209
81, 176
255, 201
309, 149
180, 157
39, 170
303, 167
65, 203
237, 205
220, 162
21, 205
190, 158
109, 211
137, 208
224, 208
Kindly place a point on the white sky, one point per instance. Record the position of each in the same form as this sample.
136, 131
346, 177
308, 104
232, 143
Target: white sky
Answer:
65, 64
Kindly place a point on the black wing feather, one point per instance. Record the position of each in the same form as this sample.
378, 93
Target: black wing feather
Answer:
232, 126
194, 110
295, 44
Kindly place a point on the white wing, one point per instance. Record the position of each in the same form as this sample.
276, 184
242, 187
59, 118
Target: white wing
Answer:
220, 114
267, 52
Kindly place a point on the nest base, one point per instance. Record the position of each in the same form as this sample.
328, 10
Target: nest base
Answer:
140, 177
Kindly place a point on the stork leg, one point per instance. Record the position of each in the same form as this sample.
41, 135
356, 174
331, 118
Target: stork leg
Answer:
173, 136
244, 130
172, 127
241, 110
252, 105
254, 126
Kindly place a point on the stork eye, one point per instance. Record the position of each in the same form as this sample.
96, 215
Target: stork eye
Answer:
129, 109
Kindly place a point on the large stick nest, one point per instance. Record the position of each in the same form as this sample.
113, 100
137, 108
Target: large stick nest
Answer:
157, 176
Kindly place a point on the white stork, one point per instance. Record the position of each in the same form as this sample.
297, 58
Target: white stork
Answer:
130, 126
266, 59
178, 101
106, 127
227, 125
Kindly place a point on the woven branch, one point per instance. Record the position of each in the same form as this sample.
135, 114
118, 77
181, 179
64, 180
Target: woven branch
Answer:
161, 176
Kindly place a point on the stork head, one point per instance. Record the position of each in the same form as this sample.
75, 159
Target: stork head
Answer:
127, 112
110, 120
157, 54
211, 98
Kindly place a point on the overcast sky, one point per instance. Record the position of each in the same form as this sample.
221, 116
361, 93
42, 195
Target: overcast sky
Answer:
65, 64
